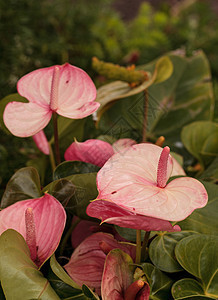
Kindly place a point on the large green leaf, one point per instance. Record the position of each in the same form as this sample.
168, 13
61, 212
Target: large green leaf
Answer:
183, 98
19, 276
204, 220
24, 184
68, 168
160, 284
82, 189
12, 97
197, 254
161, 251
116, 90
211, 173
189, 289
200, 139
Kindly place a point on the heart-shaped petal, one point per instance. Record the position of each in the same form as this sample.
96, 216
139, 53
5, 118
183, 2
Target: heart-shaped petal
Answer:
41, 142
49, 218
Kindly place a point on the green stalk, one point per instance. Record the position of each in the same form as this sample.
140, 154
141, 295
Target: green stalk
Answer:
56, 141
138, 246
145, 120
144, 245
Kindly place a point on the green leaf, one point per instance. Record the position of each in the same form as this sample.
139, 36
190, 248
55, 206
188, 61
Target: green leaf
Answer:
24, 184
161, 251
60, 273
12, 97
197, 254
40, 164
89, 293
19, 276
83, 187
200, 139
163, 69
204, 220
160, 284
211, 173
188, 288
68, 168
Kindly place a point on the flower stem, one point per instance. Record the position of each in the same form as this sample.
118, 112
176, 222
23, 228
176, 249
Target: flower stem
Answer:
56, 141
145, 120
138, 246
144, 245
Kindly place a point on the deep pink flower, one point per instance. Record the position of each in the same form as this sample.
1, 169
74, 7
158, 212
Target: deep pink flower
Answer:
96, 152
87, 261
117, 279
40, 221
65, 89
41, 142
136, 182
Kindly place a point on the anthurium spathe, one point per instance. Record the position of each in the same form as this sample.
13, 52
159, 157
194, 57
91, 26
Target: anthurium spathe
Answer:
40, 221
136, 181
87, 261
95, 151
41, 142
117, 279
64, 89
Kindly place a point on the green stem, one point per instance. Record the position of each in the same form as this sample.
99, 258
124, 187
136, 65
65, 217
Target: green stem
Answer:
144, 245
138, 246
51, 157
56, 141
145, 120
68, 235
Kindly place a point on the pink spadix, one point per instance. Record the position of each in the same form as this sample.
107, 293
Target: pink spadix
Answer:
54, 88
31, 233
162, 167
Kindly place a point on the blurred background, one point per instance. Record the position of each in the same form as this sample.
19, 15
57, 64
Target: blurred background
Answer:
35, 34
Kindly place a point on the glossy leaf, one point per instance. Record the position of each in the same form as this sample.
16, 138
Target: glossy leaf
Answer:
160, 284
197, 254
15, 259
24, 184
211, 173
68, 168
200, 138
189, 289
81, 189
204, 220
161, 251
89, 293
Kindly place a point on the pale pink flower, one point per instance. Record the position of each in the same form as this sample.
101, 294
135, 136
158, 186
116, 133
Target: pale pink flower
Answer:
96, 152
136, 182
40, 221
41, 142
87, 261
117, 279
65, 89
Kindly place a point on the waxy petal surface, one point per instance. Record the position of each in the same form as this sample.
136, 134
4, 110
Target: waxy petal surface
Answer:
26, 119
87, 261
129, 180
92, 151
41, 142
122, 144
109, 212
117, 275
49, 217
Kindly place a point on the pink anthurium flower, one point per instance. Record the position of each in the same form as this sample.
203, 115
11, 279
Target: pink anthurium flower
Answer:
117, 279
41, 142
96, 152
40, 221
87, 261
136, 182
65, 89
